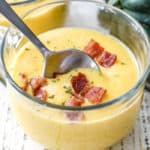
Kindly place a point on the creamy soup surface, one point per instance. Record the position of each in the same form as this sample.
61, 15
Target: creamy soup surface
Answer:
117, 79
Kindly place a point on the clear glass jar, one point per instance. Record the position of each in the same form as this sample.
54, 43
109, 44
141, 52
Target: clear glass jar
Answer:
105, 123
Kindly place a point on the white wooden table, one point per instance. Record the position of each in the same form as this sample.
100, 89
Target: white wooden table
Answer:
12, 136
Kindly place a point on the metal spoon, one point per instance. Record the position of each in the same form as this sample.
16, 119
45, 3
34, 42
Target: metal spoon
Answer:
54, 62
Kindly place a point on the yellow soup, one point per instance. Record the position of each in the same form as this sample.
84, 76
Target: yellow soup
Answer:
100, 128
34, 20
119, 75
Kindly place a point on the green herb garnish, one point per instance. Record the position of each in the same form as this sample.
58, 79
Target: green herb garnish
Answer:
48, 42
92, 82
55, 47
54, 80
51, 97
27, 49
75, 70
68, 89
122, 63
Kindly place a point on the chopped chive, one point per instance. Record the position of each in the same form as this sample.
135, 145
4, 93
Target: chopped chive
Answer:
48, 42
91, 82
68, 89
51, 97
53, 80
75, 70
27, 49
122, 63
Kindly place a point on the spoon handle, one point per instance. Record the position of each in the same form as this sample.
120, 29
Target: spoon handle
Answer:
8, 12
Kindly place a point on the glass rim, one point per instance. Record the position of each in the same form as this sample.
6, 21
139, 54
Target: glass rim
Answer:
120, 98
22, 2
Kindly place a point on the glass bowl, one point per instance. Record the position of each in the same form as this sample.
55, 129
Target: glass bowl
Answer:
107, 122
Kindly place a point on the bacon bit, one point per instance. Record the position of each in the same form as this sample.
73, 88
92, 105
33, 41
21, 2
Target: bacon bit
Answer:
93, 49
24, 80
85, 90
74, 116
41, 94
38, 82
79, 82
24, 87
23, 75
74, 101
106, 59
95, 94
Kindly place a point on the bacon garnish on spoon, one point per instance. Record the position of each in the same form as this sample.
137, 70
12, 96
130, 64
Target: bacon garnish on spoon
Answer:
93, 48
106, 59
97, 52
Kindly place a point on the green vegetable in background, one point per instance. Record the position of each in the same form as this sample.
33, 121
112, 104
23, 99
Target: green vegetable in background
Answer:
137, 5
140, 16
139, 9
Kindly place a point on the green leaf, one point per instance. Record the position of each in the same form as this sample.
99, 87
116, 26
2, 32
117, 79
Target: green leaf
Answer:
113, 2
147, 29
137, 5
140, 16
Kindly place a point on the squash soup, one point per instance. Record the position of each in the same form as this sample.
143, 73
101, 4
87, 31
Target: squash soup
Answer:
54, 12
72, 130
118, 75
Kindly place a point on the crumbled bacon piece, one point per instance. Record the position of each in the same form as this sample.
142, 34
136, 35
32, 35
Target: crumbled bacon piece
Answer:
24, 87
74, 116
24, 81
103, 57
95, 94
79, 82
74, 101
38, 82
85, 90
23, 75
41, 94
93, 49
106, 59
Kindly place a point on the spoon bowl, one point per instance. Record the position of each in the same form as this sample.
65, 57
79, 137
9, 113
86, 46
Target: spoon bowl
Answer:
66, 60
54, 62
